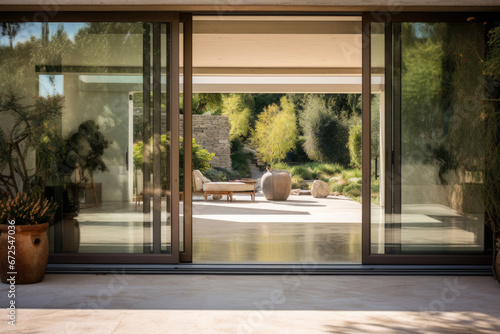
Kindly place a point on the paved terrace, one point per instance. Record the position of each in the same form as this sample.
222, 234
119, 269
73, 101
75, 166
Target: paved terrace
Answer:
300, 229
255, 304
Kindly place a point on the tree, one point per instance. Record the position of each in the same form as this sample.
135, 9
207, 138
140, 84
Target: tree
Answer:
10, 29
239, 109
275, 132
326, 135
210, 103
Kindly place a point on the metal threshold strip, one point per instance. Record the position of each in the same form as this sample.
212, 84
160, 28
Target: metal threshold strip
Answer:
272, 269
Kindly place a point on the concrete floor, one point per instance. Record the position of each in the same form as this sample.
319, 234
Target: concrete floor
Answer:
300, 229
255, 304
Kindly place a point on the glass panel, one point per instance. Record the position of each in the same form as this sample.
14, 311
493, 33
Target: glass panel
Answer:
81, 87
262, 86
378, 149
181, 133
442, 137
165, 132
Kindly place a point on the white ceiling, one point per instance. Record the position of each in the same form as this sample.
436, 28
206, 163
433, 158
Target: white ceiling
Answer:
279, 47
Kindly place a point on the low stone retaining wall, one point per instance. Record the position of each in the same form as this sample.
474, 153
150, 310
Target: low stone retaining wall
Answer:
212, 133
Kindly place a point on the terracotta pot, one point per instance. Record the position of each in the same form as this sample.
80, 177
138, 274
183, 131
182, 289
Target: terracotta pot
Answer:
276, 186
32, 253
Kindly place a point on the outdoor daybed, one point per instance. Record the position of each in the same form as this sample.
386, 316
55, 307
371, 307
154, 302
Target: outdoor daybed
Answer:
202, 184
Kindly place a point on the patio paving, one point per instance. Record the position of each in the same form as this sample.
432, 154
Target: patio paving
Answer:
300, 229
119, 303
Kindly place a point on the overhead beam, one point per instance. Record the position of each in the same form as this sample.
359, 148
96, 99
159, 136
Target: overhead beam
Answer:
276, 27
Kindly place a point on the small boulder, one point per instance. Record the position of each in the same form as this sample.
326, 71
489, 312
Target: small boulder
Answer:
320, 189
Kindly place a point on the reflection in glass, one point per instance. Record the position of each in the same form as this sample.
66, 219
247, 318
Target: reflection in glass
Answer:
442, 141
96, 145
437, 140
378, 175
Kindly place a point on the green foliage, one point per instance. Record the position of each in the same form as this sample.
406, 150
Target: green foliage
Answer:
239, 109
33, 130
85, 148
275, 131
327, 169
491, 114
299, 154
305, 173
298, 183
492, 65
218, 174
355, 145
215, 175
343, 105
26, 210
138, 149
351, 173
262, 101
201, 158
326, 136
346, 182
311, 170
240, 161
207, 103
352, 190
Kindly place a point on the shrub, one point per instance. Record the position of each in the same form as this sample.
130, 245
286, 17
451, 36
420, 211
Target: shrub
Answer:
299, 154
338, 186
221, 174
296, 182
200, 159
327, 169
355, 145
351, 173
283, 166
214, 175
275, 132
326, 136
303, 172
239, 159
352, 190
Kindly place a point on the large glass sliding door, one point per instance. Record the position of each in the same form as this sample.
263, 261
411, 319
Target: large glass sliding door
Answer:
427, 142
92, 108
279, 78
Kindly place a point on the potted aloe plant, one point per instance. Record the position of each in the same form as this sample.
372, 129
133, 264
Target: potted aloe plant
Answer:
24, 246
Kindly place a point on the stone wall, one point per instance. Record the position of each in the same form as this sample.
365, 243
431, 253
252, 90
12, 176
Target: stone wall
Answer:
212, 133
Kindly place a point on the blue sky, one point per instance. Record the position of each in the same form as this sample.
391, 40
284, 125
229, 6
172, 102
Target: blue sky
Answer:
35, 29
